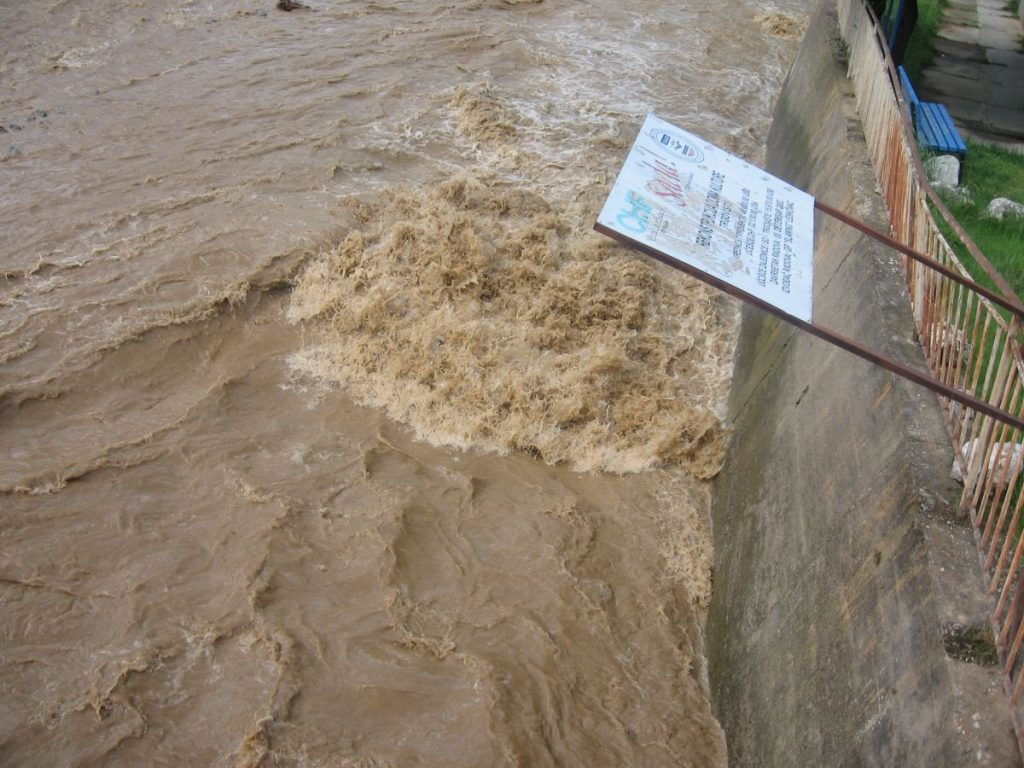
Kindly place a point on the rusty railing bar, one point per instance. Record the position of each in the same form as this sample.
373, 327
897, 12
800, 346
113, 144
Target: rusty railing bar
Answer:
921, 258
823, 333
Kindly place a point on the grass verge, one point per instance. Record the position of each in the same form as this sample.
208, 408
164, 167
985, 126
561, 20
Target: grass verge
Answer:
990, 172
921, 46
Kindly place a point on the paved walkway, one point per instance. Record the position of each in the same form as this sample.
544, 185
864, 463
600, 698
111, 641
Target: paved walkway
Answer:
978, 72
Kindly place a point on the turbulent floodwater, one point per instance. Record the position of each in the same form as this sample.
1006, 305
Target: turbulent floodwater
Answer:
330, 435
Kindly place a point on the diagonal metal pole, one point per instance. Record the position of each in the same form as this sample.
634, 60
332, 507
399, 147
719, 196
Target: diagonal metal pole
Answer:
826, 334
928, 261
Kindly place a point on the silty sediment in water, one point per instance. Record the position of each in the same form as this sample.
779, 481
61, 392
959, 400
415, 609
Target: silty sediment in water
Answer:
244, 526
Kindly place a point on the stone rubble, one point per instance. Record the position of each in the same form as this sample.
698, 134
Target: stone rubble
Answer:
1001, 207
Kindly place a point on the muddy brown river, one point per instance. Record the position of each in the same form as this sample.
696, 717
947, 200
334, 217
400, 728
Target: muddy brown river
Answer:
330, 433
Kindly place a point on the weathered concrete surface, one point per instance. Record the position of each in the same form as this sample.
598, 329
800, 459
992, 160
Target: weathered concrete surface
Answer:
839, 554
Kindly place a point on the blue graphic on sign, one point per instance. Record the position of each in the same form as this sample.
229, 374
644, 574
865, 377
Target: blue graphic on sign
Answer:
634, 218
678, 144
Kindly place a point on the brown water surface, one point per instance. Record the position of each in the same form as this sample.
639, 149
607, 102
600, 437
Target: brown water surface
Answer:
330, 435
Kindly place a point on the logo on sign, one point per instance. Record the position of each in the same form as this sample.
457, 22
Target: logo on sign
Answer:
678, 144
635, 215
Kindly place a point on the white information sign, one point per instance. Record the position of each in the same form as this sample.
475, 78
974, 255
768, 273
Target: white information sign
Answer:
709, 209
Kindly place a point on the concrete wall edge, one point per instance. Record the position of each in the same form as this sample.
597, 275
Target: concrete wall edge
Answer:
843, 567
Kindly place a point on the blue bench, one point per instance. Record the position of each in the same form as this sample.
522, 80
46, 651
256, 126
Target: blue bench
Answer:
932, 123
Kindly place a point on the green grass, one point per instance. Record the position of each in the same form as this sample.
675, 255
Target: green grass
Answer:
987, 173
921, 47
1013, 6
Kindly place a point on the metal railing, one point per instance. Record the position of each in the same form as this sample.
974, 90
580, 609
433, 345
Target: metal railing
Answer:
969, 343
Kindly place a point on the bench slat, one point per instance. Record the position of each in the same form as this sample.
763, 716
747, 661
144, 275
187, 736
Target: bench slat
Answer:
909, 94
932, 122
936, 130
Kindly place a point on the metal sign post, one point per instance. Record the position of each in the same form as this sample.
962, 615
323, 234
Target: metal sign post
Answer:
695, 207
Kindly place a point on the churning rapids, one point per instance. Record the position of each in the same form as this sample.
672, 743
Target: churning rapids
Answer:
330, 433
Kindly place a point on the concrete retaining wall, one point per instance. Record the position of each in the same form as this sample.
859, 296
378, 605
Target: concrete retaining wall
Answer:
843, 571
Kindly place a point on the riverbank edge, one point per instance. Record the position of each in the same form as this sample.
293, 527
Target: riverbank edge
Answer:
843, 569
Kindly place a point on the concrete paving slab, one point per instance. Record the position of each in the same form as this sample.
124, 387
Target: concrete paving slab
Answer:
1007, 96
1010, 98
965, 17
997, 19
941, 82
994, 13
978, 71
961, 34
965, 112
1008, 77
1012, 59
962, 51
959, 68
989, 37
959, 107
996, 87
1006, 121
